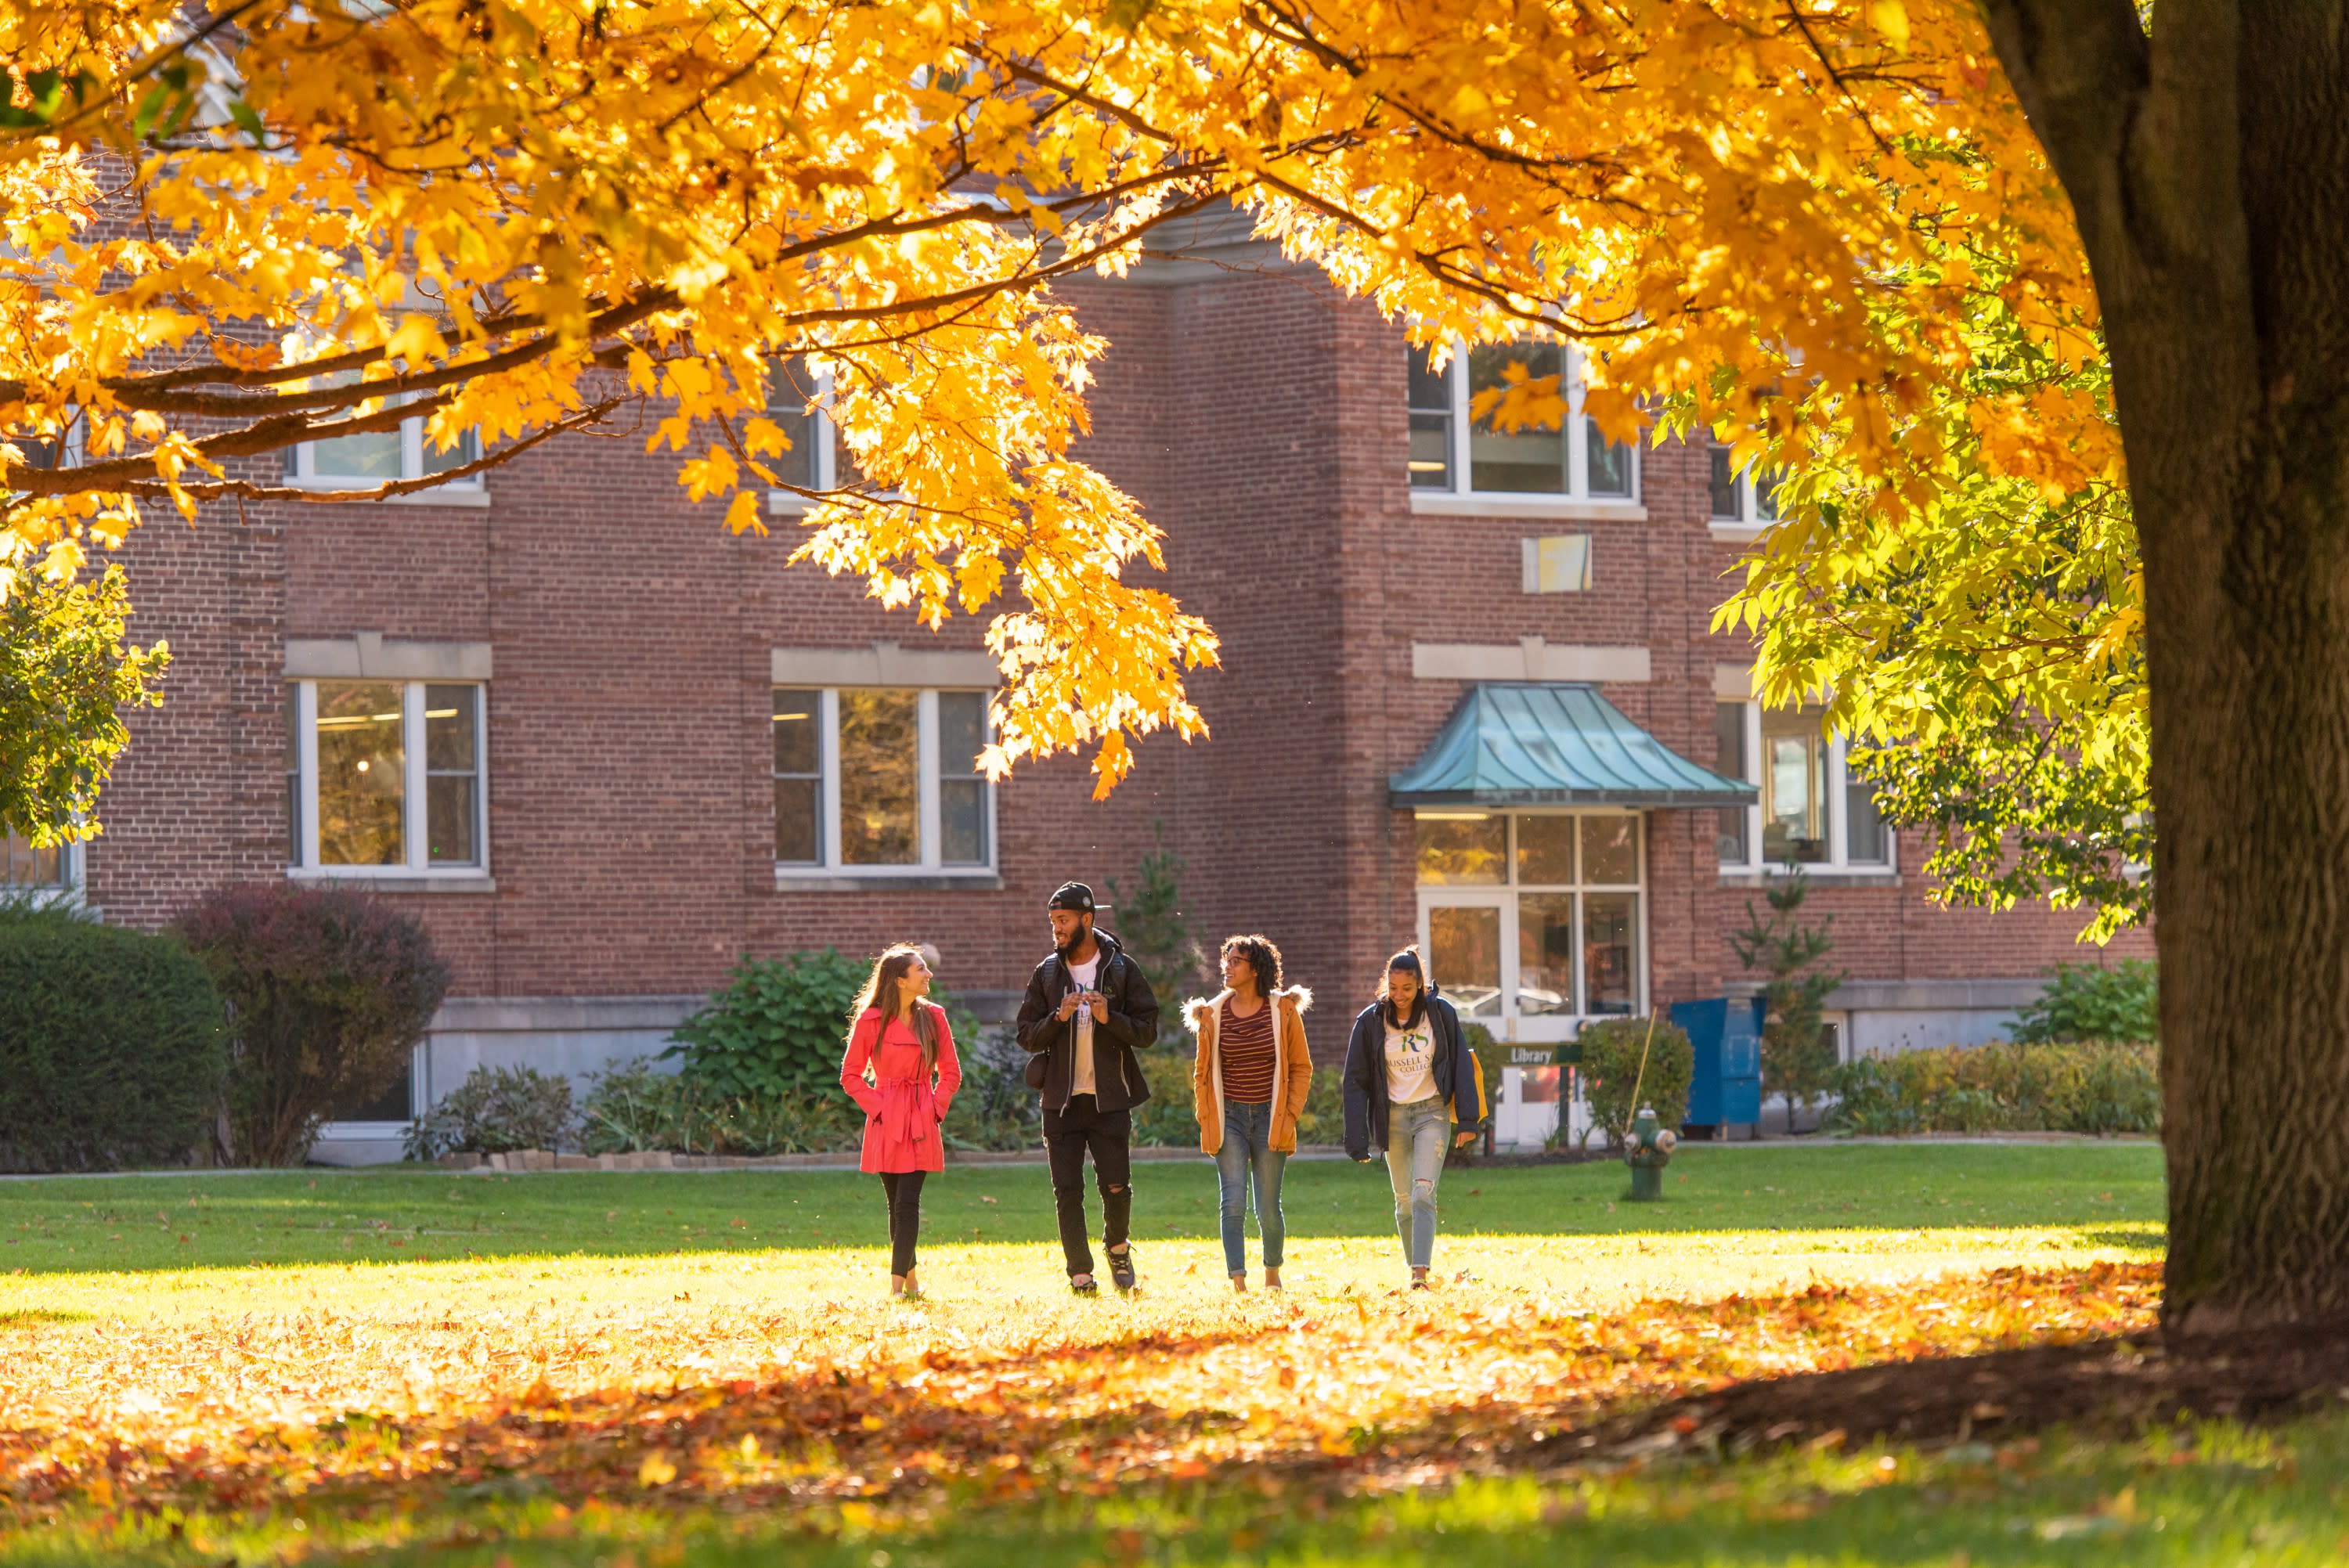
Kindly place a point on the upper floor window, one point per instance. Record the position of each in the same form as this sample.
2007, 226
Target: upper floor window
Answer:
385, 776
405, 453
1456, 451
52, 447
1746, 500
872, 778
818, 459
1814, 811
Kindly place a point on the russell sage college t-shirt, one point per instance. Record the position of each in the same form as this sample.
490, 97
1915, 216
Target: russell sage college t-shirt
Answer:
1411, 1062
1081, 1080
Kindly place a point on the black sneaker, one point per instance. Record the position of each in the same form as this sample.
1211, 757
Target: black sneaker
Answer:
1084, 1286
1121, 1271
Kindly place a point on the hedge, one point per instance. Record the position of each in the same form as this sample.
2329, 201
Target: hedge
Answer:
2077, 1087
111, 1046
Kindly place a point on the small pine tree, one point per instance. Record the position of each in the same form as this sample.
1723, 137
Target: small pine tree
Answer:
1151, 922
1797, 1058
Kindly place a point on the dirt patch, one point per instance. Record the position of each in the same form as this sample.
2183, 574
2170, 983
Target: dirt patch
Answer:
2116, 1385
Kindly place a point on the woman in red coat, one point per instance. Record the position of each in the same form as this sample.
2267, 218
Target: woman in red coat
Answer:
901, 1069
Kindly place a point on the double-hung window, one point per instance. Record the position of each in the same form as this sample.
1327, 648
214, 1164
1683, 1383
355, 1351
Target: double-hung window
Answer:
54, 448
1455, 451
386, 777
1740, 500
353, 462
882, 780
797, 398
1813, 809
27, 871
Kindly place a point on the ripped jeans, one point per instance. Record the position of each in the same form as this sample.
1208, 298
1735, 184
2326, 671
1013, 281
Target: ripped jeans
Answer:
1417, 1135
1070, 1134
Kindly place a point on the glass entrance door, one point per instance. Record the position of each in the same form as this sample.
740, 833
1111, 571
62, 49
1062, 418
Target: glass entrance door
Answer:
1533, 924
1460, 934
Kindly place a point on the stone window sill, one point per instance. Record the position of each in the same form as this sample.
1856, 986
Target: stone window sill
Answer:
1445, 503
1821, 876
399, 882
474, 496
811, 878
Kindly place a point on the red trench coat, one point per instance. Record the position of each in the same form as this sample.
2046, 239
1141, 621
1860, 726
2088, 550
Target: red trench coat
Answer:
901, 1112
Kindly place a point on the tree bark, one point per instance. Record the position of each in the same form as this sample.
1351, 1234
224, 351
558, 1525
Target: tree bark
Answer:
2208, 166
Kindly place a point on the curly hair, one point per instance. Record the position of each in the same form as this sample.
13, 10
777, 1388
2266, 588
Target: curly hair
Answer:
1262, 958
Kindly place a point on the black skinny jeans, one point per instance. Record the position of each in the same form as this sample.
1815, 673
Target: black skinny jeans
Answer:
904, 1191
1069, 1135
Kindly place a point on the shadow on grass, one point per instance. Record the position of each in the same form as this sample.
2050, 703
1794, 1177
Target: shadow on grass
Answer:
807, 1469
197, 1220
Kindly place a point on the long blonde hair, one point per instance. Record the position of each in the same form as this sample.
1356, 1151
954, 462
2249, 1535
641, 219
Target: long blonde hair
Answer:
881, 991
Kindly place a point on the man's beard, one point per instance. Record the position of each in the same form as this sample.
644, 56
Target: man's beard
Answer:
1068, 950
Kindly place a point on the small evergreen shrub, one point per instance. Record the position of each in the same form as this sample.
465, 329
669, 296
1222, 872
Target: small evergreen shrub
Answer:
2094, 1087
1611, 1075
1157, 933
497, 1110
112, 1044
2090, 1002
776, 1031
328, 990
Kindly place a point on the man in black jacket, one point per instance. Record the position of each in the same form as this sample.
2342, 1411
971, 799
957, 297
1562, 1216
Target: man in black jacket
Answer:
1088, 1010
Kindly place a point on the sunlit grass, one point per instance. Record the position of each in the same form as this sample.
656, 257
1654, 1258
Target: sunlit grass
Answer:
584, 1287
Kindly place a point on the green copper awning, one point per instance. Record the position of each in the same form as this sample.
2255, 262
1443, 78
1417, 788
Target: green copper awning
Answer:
1512, 744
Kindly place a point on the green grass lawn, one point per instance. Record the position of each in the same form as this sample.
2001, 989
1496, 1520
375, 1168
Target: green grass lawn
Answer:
2106, 1191
2195, 1498
752, 1270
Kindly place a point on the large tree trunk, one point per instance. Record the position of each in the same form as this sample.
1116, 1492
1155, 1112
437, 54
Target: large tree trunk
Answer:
2210, 169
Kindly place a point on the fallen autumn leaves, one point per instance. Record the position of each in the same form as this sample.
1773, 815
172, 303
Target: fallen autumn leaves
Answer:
1361, 1390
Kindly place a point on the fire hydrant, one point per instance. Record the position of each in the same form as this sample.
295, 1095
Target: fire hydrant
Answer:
1648, 1151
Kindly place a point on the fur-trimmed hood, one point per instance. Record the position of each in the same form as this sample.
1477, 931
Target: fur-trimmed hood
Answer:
1199, 1009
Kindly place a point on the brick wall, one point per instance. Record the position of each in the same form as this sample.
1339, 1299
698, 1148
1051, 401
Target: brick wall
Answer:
1260, 421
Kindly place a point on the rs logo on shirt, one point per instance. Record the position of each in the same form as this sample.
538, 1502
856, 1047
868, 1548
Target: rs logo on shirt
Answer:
1406, 1043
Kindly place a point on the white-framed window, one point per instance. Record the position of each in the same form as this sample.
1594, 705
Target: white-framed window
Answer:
387, 776
1454, 453
350, 462
797, 396
1814, 811
29, 872
52, 447
882, 780
1535, 919
1748, 500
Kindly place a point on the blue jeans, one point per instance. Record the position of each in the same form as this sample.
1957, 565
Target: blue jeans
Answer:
1416, 1136
1248, 1148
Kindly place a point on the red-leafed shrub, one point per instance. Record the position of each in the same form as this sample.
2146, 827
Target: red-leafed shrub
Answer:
328, 990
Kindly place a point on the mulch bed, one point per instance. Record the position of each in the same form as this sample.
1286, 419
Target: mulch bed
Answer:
2103, 1385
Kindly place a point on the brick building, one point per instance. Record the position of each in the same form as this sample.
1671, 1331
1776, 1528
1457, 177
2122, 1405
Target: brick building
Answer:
603, 748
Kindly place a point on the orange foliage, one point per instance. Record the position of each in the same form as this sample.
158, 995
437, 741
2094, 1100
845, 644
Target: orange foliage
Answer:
1299, 1386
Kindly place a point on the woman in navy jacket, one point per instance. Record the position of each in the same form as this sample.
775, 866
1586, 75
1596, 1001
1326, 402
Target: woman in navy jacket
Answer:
1413, 1088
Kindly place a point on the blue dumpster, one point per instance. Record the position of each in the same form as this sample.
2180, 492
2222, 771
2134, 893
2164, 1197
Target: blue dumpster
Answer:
1726, 1086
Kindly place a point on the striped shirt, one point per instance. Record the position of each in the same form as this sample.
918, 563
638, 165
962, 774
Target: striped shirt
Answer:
1245, 1046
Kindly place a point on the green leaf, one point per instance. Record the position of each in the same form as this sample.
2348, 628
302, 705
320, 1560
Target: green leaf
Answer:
248, 120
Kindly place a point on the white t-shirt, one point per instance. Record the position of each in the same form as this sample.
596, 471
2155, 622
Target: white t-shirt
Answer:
1411, 1062
1081, 1082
